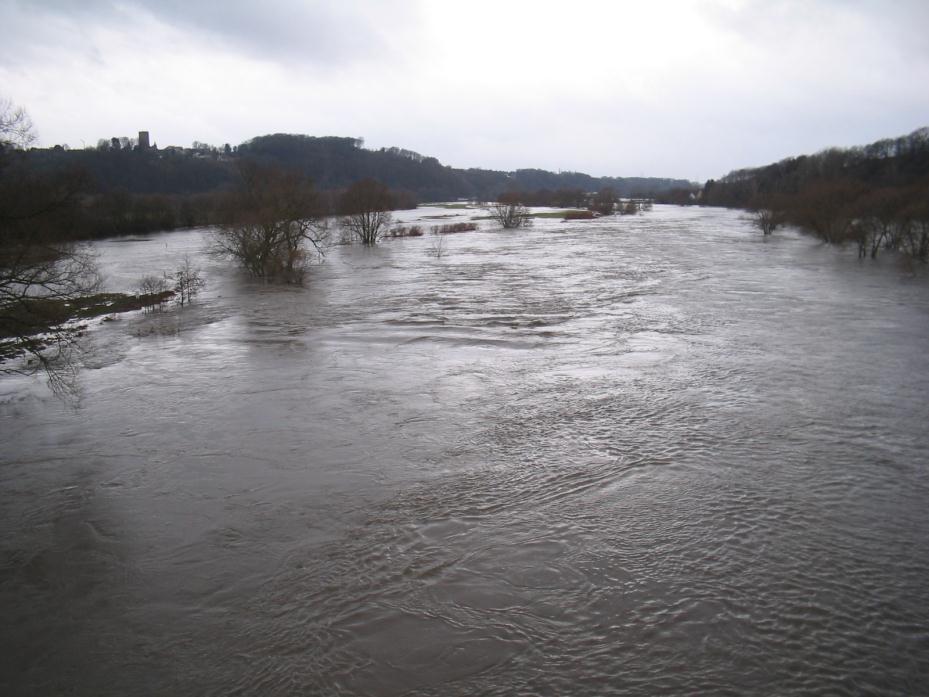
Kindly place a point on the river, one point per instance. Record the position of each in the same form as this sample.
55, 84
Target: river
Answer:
656, 454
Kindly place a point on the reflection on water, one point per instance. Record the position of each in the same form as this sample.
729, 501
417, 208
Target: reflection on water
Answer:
651, 455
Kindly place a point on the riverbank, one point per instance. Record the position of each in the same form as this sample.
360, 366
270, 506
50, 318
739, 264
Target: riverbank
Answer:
27, 324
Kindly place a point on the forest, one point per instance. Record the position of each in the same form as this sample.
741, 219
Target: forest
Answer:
875, 196
128, 189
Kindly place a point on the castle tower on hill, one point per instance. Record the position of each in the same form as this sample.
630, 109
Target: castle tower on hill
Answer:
143, 140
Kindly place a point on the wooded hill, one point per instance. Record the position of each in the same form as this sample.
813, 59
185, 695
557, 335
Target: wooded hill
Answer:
889, 163
330, 162
874, 196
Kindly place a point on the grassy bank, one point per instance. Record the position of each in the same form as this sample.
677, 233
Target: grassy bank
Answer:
24, 323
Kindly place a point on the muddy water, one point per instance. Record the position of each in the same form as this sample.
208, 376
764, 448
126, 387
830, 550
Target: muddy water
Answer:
657, 455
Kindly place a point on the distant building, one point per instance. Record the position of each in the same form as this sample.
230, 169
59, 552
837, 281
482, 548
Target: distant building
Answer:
143, 140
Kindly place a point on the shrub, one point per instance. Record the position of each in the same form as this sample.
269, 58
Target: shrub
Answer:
510, 214
405, 231
153, 291
452, 228
187, 282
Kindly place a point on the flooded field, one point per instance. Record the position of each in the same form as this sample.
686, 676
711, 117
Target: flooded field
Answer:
649, 455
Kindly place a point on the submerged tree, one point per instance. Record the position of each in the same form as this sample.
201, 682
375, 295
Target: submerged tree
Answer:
766, 220
153, 292
604, 202
509, 212
767, 212
187, 282
630, 207
366, 209
273, 224
912, 236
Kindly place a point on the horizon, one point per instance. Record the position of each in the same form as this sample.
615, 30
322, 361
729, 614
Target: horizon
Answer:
692, 90
364, 146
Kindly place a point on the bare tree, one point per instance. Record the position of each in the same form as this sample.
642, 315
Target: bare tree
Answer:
37, 284
509, 212
366, 209
604, 202
273, 223
827, 209
187, 282
437, 248
152, 291
766, 219
16, 129
913, 226
767, 213
41, 273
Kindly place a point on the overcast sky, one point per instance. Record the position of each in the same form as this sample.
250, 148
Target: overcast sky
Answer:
677, 88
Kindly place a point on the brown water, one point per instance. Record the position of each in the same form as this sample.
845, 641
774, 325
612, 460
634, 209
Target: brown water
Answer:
655, 455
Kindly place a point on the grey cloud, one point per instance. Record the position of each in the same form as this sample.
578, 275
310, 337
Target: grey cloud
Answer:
797, 75
320, 33
900, 24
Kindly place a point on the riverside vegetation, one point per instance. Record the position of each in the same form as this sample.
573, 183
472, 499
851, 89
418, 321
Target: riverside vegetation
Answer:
875, 197
273, 221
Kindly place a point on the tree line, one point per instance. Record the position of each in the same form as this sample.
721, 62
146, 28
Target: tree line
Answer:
875, 197
333, 163
121, 188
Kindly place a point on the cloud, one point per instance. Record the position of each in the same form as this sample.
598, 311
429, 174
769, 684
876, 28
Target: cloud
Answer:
689, 88
314, 32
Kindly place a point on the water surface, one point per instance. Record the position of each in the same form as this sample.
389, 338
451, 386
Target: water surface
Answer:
649, 455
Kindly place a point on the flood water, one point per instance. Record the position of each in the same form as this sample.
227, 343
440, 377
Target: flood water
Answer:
653, 455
